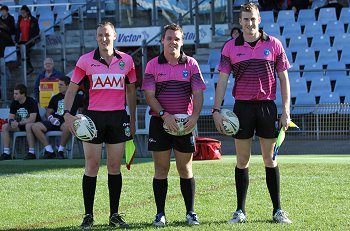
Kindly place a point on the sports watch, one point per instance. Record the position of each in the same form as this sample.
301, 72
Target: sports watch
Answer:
65, 111
214, 110
161, 113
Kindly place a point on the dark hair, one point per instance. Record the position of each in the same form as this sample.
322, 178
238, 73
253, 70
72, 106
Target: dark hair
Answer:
65, 79
174, 27
26, 9
248, 7
4, 8
21, 88
235, 28
106, 23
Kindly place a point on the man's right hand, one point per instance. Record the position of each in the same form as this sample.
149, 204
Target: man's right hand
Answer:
218, 119
69, 121
54, 120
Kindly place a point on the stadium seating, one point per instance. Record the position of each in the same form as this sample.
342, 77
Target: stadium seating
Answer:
46, 22
312, 70
297, 86
297, 43
334, 28
342, 86
312, 28
76, 4
304, 103
141, 135
291, 30
66, 15
239, 2
318, 3
326, 56
305, 56
25, 2
60, 8
214, 58
328, 104
345, 56
320, 42
205, 70
345, 15
320, 85
326, 15
306, 15
267, 18
335, 70
272, 29
285, 17
341, 41
282, 39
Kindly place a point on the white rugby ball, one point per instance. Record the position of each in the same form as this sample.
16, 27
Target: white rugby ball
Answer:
232, 124
180, 121
84, 127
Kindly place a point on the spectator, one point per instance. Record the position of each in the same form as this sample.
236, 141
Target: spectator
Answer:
297, 5
235, 31
269, 5
26, 30
23, 113
55, 121
7, 29
49, 72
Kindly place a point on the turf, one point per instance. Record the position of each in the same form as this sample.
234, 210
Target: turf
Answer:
46, 195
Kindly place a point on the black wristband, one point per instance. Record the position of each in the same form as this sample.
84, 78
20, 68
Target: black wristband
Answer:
215, 110
65, 111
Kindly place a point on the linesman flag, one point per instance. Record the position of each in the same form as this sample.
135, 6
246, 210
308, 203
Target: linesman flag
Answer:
280, 138
129, 153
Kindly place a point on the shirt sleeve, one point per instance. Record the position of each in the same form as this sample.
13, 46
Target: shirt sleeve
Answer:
132, 73
282, 62
32, 106
79, 71
225, 62
149, 82
197, 81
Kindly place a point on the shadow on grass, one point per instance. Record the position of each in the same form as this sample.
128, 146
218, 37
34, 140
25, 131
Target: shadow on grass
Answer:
18, 166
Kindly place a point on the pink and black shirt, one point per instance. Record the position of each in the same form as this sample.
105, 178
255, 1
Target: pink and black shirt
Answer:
254, 67
106, 82
173, 84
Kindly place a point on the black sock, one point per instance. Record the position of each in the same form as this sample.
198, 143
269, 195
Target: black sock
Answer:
160, 189
188, 190
242, 183
115, 188
89, 188
273, 185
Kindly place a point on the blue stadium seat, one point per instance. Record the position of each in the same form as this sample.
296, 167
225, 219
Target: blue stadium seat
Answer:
304, 103
334, 28
289, 55
43, 1
25, 2
272, 29
292, 30
306, 15
297, 86
43, 10
318, 3
298, 43
312, 70
312, 29
228, 98
205, 70
282, 39
320, 85
320, 42
345, 108
326, 56
46, 20
267, 18
76, 4
60, 8
345, 56
64, 14
214, 58
305, 56
336, 70
328, 104
345, 15
341, 41
311, 75
285, 17
239, 2
326, 15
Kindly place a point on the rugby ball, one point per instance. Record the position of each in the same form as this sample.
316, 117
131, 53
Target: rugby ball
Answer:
84, 127
180, 121
231, 126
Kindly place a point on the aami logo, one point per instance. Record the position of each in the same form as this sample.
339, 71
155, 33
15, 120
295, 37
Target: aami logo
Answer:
108, 81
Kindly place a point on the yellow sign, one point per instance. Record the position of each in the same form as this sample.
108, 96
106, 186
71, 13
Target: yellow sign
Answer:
48, 88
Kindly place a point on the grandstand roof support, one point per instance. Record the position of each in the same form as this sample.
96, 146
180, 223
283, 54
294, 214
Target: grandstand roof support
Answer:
196, 24
3, 80
81, 24
212, 17
24, 63
63, 46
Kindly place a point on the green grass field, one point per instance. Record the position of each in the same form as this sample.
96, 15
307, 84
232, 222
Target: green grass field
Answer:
46, 195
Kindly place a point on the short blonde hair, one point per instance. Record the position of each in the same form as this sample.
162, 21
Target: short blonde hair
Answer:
248, 7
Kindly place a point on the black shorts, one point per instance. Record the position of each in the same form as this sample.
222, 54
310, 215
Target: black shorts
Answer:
160, 140
113, 127
259, 116
50, 127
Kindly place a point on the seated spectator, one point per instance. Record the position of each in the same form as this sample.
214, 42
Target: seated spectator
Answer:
269, 5
23, 113
297, 5
55, 121
49, 72
26, 30
235, 31
7, 30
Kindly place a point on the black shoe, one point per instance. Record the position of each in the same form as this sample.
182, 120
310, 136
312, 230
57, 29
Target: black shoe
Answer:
48, 155
5, 157
30, 156
60, 155
116, 220
88, 221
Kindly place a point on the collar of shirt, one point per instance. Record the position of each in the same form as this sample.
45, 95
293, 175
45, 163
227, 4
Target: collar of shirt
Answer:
240, 39
182, 59
98, 57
